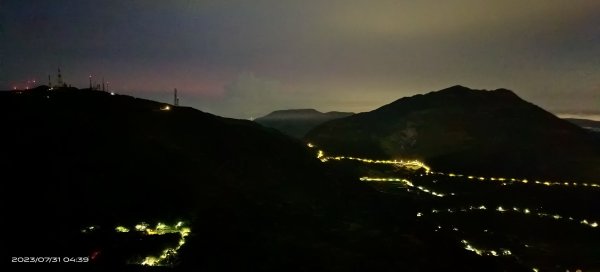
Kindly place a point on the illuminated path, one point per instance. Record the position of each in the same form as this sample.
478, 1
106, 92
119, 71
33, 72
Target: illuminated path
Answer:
506, 181
501, 210
415, 164
524, 211
466, 244
485, 252
406, 183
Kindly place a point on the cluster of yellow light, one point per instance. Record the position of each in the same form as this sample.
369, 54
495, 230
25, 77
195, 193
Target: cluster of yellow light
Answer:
526, 211
165, 108
121, 229
321, 156
405, 182
141, 226
150, 261
161, 229
485, 252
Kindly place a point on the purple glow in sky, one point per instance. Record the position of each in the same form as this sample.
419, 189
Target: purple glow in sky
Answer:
244, 59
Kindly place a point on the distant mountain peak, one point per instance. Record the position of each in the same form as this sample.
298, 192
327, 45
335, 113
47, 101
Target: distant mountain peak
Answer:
297, 122
459, 89
456, 96
469, 130
505, 92
456, 88
303, 113
295, 111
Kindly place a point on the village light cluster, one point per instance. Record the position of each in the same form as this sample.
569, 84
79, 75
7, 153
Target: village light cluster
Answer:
160, 229
169, 252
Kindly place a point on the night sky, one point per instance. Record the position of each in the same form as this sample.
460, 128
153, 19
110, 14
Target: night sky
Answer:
241, 58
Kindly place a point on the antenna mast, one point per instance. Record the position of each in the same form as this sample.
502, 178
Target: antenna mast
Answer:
175, 98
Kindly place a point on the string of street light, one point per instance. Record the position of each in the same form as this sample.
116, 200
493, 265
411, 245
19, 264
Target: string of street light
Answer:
416, 164
524, 211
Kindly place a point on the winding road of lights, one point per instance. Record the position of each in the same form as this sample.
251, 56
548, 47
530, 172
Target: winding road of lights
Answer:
160, 229
506, 181
406, 182
415, 165
525, 211
485, 252
412, 164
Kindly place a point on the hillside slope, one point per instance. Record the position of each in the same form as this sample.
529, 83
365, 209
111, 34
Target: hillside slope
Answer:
585, 123
254, 199
470, 131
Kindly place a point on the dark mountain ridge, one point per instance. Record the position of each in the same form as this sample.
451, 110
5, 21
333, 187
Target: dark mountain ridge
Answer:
585, 123
82, 138
89, 157
469, 131
298, 122
254, 199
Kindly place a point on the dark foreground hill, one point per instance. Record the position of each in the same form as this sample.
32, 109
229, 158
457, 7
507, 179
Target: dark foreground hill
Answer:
585, 123
469, 131
297, 123
255, 200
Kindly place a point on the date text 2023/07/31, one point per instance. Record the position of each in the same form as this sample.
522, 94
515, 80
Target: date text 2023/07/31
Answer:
50, 259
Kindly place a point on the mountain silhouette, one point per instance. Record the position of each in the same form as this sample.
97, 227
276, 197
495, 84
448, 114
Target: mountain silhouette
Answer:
298, 122
585, 123
255, 199
469, 131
